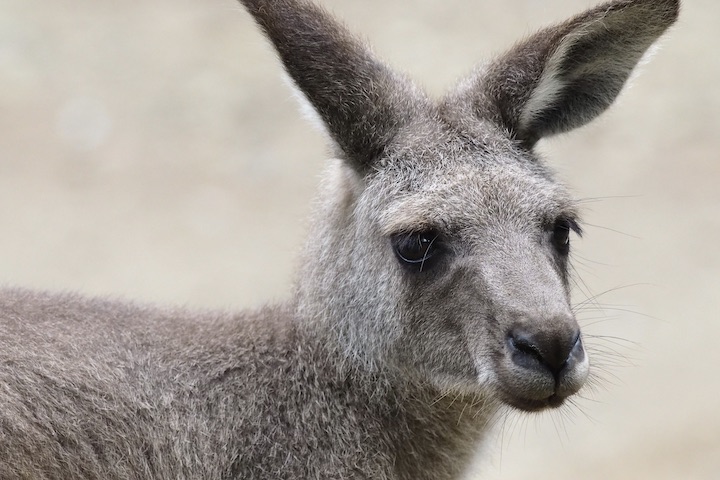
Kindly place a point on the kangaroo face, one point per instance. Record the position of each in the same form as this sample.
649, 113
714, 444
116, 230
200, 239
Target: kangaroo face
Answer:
476, 240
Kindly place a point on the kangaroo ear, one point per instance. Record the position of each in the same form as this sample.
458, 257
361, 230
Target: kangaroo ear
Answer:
359, 99
564, 76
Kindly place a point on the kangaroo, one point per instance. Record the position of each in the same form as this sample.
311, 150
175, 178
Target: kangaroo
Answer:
432, 295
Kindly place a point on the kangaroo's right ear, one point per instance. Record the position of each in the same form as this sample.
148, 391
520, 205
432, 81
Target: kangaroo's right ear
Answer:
564, 76
359, 99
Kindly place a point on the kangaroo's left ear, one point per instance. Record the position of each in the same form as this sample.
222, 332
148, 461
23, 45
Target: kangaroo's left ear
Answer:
361, 102
566, 75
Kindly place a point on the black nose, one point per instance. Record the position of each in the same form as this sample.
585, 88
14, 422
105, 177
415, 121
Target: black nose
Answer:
554, 351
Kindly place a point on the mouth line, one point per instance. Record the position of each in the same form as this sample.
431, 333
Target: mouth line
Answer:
533, 404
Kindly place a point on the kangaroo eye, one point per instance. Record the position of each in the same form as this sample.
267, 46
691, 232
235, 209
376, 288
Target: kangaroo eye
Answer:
561, 235
418, 251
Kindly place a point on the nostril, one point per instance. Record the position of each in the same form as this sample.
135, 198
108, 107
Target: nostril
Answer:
551, 351
524, 351
526, 346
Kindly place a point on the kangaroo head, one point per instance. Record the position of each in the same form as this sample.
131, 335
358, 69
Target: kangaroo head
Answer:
441, 243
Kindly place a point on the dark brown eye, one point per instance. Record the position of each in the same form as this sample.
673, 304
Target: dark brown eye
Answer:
561, 234
417, 251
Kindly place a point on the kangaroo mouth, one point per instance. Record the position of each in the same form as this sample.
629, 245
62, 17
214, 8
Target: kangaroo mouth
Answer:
534, 374
534, 392
534, 405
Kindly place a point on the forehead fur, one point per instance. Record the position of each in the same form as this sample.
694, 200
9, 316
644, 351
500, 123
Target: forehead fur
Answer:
453, 186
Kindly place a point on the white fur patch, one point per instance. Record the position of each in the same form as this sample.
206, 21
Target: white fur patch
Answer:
307, 110
548, 89
550, 86
644, 60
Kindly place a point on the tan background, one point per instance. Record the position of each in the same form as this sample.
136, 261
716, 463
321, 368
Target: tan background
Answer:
150, 150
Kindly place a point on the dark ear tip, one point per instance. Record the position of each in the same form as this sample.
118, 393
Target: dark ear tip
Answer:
661, 13
671, 10
675, 6
667, 10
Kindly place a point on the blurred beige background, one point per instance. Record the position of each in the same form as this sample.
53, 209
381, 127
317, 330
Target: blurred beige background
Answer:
150, 150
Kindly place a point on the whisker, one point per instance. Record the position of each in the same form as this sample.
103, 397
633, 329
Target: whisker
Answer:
613, 230
608, 291
610, 197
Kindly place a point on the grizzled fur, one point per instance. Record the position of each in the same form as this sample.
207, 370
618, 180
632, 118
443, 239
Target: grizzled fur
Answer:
377, 367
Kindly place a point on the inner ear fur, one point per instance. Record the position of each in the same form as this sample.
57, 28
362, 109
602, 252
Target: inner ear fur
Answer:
564, 76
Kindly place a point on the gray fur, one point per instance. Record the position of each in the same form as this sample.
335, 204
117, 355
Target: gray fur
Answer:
375, 368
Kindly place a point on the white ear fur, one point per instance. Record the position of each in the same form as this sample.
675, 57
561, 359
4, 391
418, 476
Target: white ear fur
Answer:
548, 90
646, 58
307, 110
550, 86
